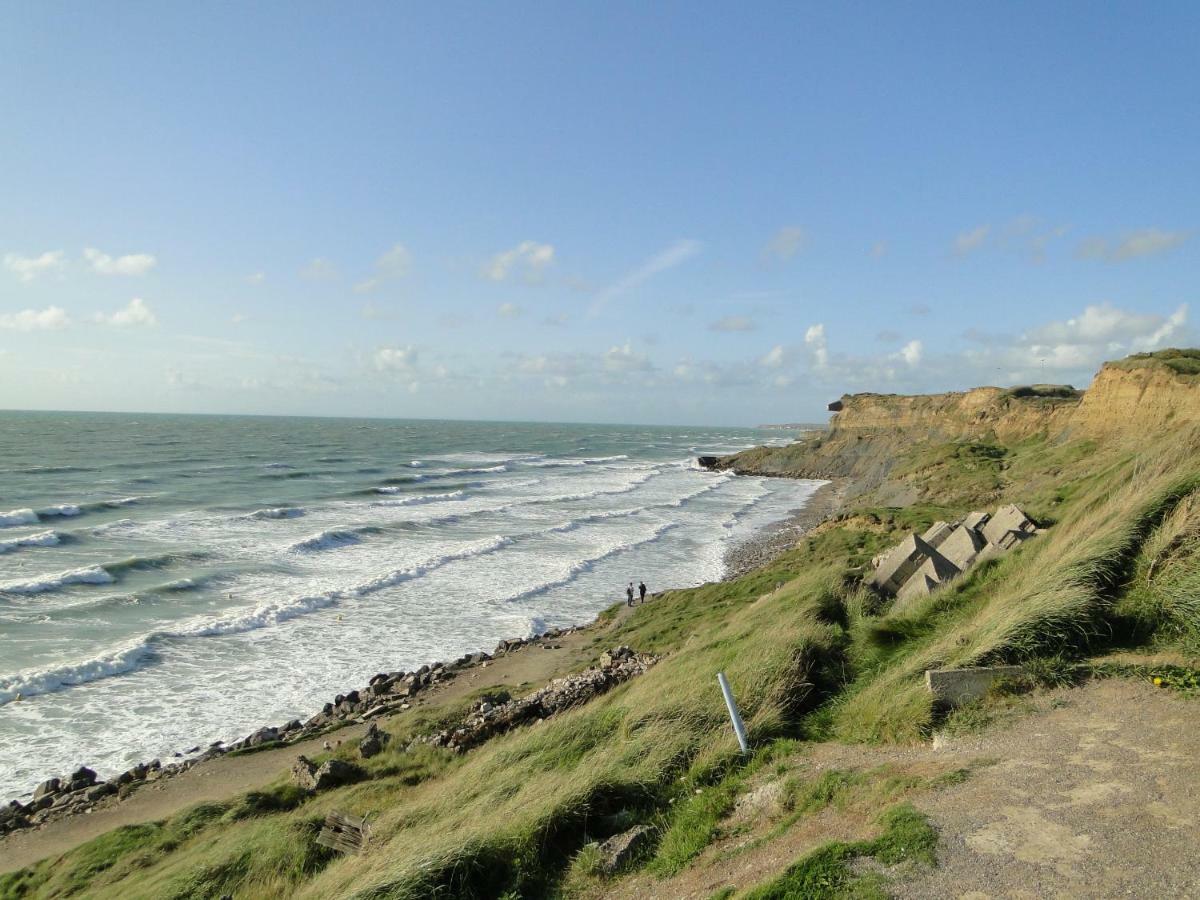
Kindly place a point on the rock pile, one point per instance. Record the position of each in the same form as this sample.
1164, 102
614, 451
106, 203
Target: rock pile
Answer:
386, 692
487, 720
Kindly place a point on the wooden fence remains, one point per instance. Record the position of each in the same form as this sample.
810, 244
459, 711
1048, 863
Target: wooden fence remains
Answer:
345, 833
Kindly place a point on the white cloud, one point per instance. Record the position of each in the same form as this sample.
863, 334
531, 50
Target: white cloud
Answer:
27, 268
733, 323
970, 241
256, 278
131, 264
237, 318
396, 359
318, 269
529, 256
674, 255
774, 357
134, 314
35, 319
623, 358
786, 243
508, 310
1135, 245
911, 353
1098, 324
814, 337
391, 265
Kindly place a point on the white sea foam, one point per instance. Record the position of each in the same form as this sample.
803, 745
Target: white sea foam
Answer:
18, 517
327, 540
41, 539
63, 509
584, 565
420, 499
87, 575
42, 681
279, 512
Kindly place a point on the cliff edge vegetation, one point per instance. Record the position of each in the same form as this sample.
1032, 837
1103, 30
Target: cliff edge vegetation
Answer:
819, 663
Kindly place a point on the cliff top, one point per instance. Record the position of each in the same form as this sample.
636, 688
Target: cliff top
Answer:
1180, 361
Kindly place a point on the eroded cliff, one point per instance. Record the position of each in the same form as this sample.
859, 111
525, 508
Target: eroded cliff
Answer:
870, 434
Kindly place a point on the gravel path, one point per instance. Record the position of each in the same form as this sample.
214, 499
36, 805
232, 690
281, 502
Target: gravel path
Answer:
1094, 798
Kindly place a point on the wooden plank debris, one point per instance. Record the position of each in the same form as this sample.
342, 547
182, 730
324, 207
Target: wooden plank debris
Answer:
345, 833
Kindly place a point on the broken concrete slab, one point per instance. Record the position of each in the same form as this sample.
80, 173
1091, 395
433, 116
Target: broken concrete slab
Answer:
903, 562
1007, 518
976, 519
954, 687
936, 533
961, 546
933, 573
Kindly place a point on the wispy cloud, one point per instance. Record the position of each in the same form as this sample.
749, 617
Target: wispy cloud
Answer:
1135, 245
733, 323
508, 311
130, 264
36, 319
528, 257
27, 268
391, 266
968, 242
786, 243
256, 278
670, 257
135, 313
318, 269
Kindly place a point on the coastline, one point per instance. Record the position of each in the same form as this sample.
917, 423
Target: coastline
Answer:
73, 795
768, 543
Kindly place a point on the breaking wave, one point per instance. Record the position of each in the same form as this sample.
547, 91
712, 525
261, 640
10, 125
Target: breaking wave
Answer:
279, 512
584, 565
86, 575
41, 539
18, 517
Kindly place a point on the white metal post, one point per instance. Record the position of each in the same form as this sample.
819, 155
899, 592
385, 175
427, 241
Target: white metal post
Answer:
738, 728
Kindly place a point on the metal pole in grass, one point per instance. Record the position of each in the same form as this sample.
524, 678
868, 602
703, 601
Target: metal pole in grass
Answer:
734, 716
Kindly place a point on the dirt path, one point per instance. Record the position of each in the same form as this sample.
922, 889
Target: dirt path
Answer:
1093, 795
226, 777
1095, 798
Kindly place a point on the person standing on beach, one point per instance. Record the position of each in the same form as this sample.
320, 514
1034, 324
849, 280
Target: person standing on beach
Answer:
629, 595
642, 591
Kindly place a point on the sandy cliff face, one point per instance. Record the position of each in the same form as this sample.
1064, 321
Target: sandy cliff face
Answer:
1136, 401
984, 412
871, 431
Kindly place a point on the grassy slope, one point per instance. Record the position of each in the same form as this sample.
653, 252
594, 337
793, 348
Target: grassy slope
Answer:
808, 652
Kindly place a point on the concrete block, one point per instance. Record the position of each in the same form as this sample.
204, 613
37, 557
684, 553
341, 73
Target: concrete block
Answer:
953, 687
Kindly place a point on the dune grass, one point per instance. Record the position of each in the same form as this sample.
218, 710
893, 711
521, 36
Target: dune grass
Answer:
810, 654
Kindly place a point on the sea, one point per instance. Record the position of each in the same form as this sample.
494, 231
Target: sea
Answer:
169, 581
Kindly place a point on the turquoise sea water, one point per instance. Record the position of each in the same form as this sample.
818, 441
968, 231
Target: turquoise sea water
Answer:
167, 581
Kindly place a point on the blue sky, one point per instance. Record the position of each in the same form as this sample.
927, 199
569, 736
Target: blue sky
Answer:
674, 212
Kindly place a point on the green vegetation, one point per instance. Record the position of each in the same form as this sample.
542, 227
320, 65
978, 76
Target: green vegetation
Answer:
1181, 362
907, 838
1043, 392
812, 655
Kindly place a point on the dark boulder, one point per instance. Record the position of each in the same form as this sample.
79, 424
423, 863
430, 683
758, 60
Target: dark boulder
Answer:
330, 774
373, 742
47, 788
618, 850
